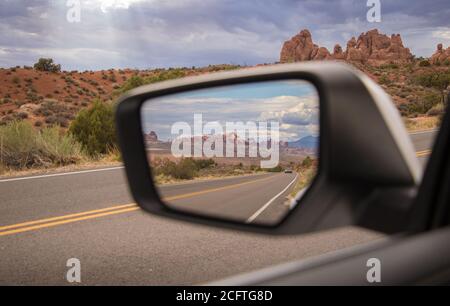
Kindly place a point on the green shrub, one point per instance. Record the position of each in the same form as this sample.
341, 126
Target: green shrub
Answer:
436, 110
438, 79
131, 83
275, 169
384, 80
62, 148
424, 63
16, 80
420, 106
185, 169
307, 162
46, 64
204, 163
21, 146
94, 128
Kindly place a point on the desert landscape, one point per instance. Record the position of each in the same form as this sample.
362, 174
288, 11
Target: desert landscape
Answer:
45, 100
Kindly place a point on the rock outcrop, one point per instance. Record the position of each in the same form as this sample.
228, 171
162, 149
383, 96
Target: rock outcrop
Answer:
441, 55
151, 137
371, 47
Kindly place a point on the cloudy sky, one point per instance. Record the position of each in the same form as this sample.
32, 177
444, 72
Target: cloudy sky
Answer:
294, 105
167, 33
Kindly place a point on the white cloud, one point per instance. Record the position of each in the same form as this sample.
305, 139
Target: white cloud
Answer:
105, 5
443, 34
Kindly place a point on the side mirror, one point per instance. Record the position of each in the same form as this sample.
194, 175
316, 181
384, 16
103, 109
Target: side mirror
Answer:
284, 149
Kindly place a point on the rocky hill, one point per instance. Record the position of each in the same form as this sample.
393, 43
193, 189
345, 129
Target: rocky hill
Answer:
418, 86
47, 98
441, 56
371, 48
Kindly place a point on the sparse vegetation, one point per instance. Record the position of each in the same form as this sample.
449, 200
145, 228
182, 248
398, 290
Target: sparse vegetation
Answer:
184, 169
424, 63
22, 146
46, 64
94, 128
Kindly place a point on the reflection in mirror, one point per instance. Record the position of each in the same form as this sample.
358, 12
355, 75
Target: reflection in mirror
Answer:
242, 152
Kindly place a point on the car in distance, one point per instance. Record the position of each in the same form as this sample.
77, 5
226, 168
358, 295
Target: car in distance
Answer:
288, 171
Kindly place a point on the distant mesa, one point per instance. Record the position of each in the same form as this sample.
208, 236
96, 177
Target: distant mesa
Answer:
308, 142
151, 137
441, 55
371, 47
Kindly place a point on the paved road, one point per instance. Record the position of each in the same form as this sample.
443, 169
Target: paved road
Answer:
90, 216
254, 199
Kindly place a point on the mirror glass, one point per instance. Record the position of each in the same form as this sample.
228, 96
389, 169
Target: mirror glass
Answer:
241, 152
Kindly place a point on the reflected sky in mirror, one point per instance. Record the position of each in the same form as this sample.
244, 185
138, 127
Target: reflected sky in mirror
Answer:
292, 103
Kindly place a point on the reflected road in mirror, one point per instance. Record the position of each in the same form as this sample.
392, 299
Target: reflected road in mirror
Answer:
243, 152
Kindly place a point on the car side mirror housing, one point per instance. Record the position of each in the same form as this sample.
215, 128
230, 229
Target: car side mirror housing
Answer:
365, 169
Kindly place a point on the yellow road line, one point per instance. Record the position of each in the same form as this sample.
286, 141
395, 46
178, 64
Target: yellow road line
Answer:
51, 224
2, 228
54, 221
423, 153
193, 194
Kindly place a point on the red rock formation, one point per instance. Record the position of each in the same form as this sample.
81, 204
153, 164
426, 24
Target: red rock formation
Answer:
151, 137
338, 53
371, 47
441, 55
299, 48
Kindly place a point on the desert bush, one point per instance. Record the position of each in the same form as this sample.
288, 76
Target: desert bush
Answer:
94, 128
384, 80
60, 147
204, 163
438, 79
307, 162
436, 110
424, 63
21, 146
274, 169
131, 83
46, 64
185, 169
421, 105
16, 80
170, 74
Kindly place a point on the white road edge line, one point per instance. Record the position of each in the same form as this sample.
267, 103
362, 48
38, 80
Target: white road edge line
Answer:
256, 214
423, 132
58, 174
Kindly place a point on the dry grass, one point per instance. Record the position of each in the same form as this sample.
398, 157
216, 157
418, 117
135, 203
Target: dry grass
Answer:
305, 178
422, 123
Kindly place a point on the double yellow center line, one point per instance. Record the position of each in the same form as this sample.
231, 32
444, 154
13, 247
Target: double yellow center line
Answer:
423, 153
119, 209
98, 213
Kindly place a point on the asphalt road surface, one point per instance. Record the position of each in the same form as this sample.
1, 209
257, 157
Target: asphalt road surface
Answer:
46, 220
257, 198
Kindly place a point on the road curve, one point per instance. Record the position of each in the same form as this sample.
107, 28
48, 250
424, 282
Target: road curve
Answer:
93, 218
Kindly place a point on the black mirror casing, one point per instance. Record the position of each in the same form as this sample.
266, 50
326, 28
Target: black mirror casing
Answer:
368, 171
